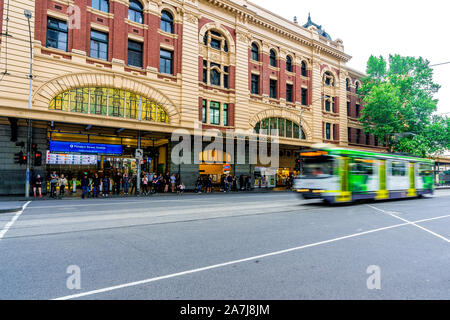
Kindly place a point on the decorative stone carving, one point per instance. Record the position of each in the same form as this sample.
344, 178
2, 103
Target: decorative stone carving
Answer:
243, 37
191, 18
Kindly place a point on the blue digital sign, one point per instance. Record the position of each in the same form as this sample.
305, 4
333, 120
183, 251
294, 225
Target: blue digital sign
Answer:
87, 148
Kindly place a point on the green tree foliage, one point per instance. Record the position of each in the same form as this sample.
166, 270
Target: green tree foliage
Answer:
399, 104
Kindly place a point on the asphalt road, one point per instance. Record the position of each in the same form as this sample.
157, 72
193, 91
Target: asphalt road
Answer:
226, 246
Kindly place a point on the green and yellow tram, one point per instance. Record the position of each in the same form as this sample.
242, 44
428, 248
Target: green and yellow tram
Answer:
339, 175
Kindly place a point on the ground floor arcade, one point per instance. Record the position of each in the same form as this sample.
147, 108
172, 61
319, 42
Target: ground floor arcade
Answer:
77, 149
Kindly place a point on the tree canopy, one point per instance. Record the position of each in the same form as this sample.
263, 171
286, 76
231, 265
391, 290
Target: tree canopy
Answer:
399, 106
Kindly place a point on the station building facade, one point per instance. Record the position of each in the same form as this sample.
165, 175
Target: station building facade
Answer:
131, 72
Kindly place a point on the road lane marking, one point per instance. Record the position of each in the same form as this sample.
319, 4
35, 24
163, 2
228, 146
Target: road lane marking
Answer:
275, 253
395, 215
16, 216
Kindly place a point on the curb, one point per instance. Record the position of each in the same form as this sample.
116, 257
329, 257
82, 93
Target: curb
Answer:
10, 210
168, 195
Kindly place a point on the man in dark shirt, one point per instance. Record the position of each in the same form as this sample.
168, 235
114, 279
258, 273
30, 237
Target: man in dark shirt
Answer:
96, 186
37, 184
84, 186
105, 183
117, 179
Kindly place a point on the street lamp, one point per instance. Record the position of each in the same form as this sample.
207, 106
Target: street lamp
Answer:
28, 15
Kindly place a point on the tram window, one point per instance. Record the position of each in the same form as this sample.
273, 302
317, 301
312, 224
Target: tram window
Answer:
425, 170
318, 167
398, 168
361, 167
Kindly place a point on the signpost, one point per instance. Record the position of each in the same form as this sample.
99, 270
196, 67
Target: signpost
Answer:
87, 148
139, 154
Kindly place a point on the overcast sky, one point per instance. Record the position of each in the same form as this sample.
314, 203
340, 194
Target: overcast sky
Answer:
407, 27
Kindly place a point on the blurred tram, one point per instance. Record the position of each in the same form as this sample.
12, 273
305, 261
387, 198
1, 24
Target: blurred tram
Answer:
339, 175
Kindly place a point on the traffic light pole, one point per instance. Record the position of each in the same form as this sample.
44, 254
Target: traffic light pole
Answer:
138, 167
29, 136
28, 173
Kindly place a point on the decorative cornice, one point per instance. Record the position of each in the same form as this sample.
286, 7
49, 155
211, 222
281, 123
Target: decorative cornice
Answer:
246, 15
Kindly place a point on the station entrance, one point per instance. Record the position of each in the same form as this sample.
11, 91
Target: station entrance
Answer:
76, 150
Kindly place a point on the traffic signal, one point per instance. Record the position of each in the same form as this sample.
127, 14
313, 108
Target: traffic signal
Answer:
298, 162
38, 159
23, 159
18, 157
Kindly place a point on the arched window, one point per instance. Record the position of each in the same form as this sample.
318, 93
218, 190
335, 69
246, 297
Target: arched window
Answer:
166, 21
289, 63
273, 58
304, 72
328, 79
101, 5
280, 127
215, 40
255, 52
347, 84
214, 72
218, 74
109, 102
215, 76
356, 86
135, 11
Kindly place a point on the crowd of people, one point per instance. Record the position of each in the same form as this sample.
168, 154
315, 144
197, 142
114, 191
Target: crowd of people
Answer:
115, 183
227, 183
94, 185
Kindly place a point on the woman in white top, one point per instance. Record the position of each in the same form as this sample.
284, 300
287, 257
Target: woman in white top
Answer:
62, 185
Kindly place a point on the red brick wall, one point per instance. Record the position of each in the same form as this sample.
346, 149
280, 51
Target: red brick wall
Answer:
231, 114
118, 32
200, 109
336, 132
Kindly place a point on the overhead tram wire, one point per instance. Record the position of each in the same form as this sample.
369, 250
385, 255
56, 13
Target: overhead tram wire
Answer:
439, 64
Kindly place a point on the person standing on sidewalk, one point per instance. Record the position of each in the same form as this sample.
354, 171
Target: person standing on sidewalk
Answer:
133, 184
235, 184
37, 184
117, 179
53, 183
209, 184
62, 185
84, 186
74, 185
105, 186
145, 183
230, 182
181, 188
198, 185
126, 183
96, 186
172, 182
155, 183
